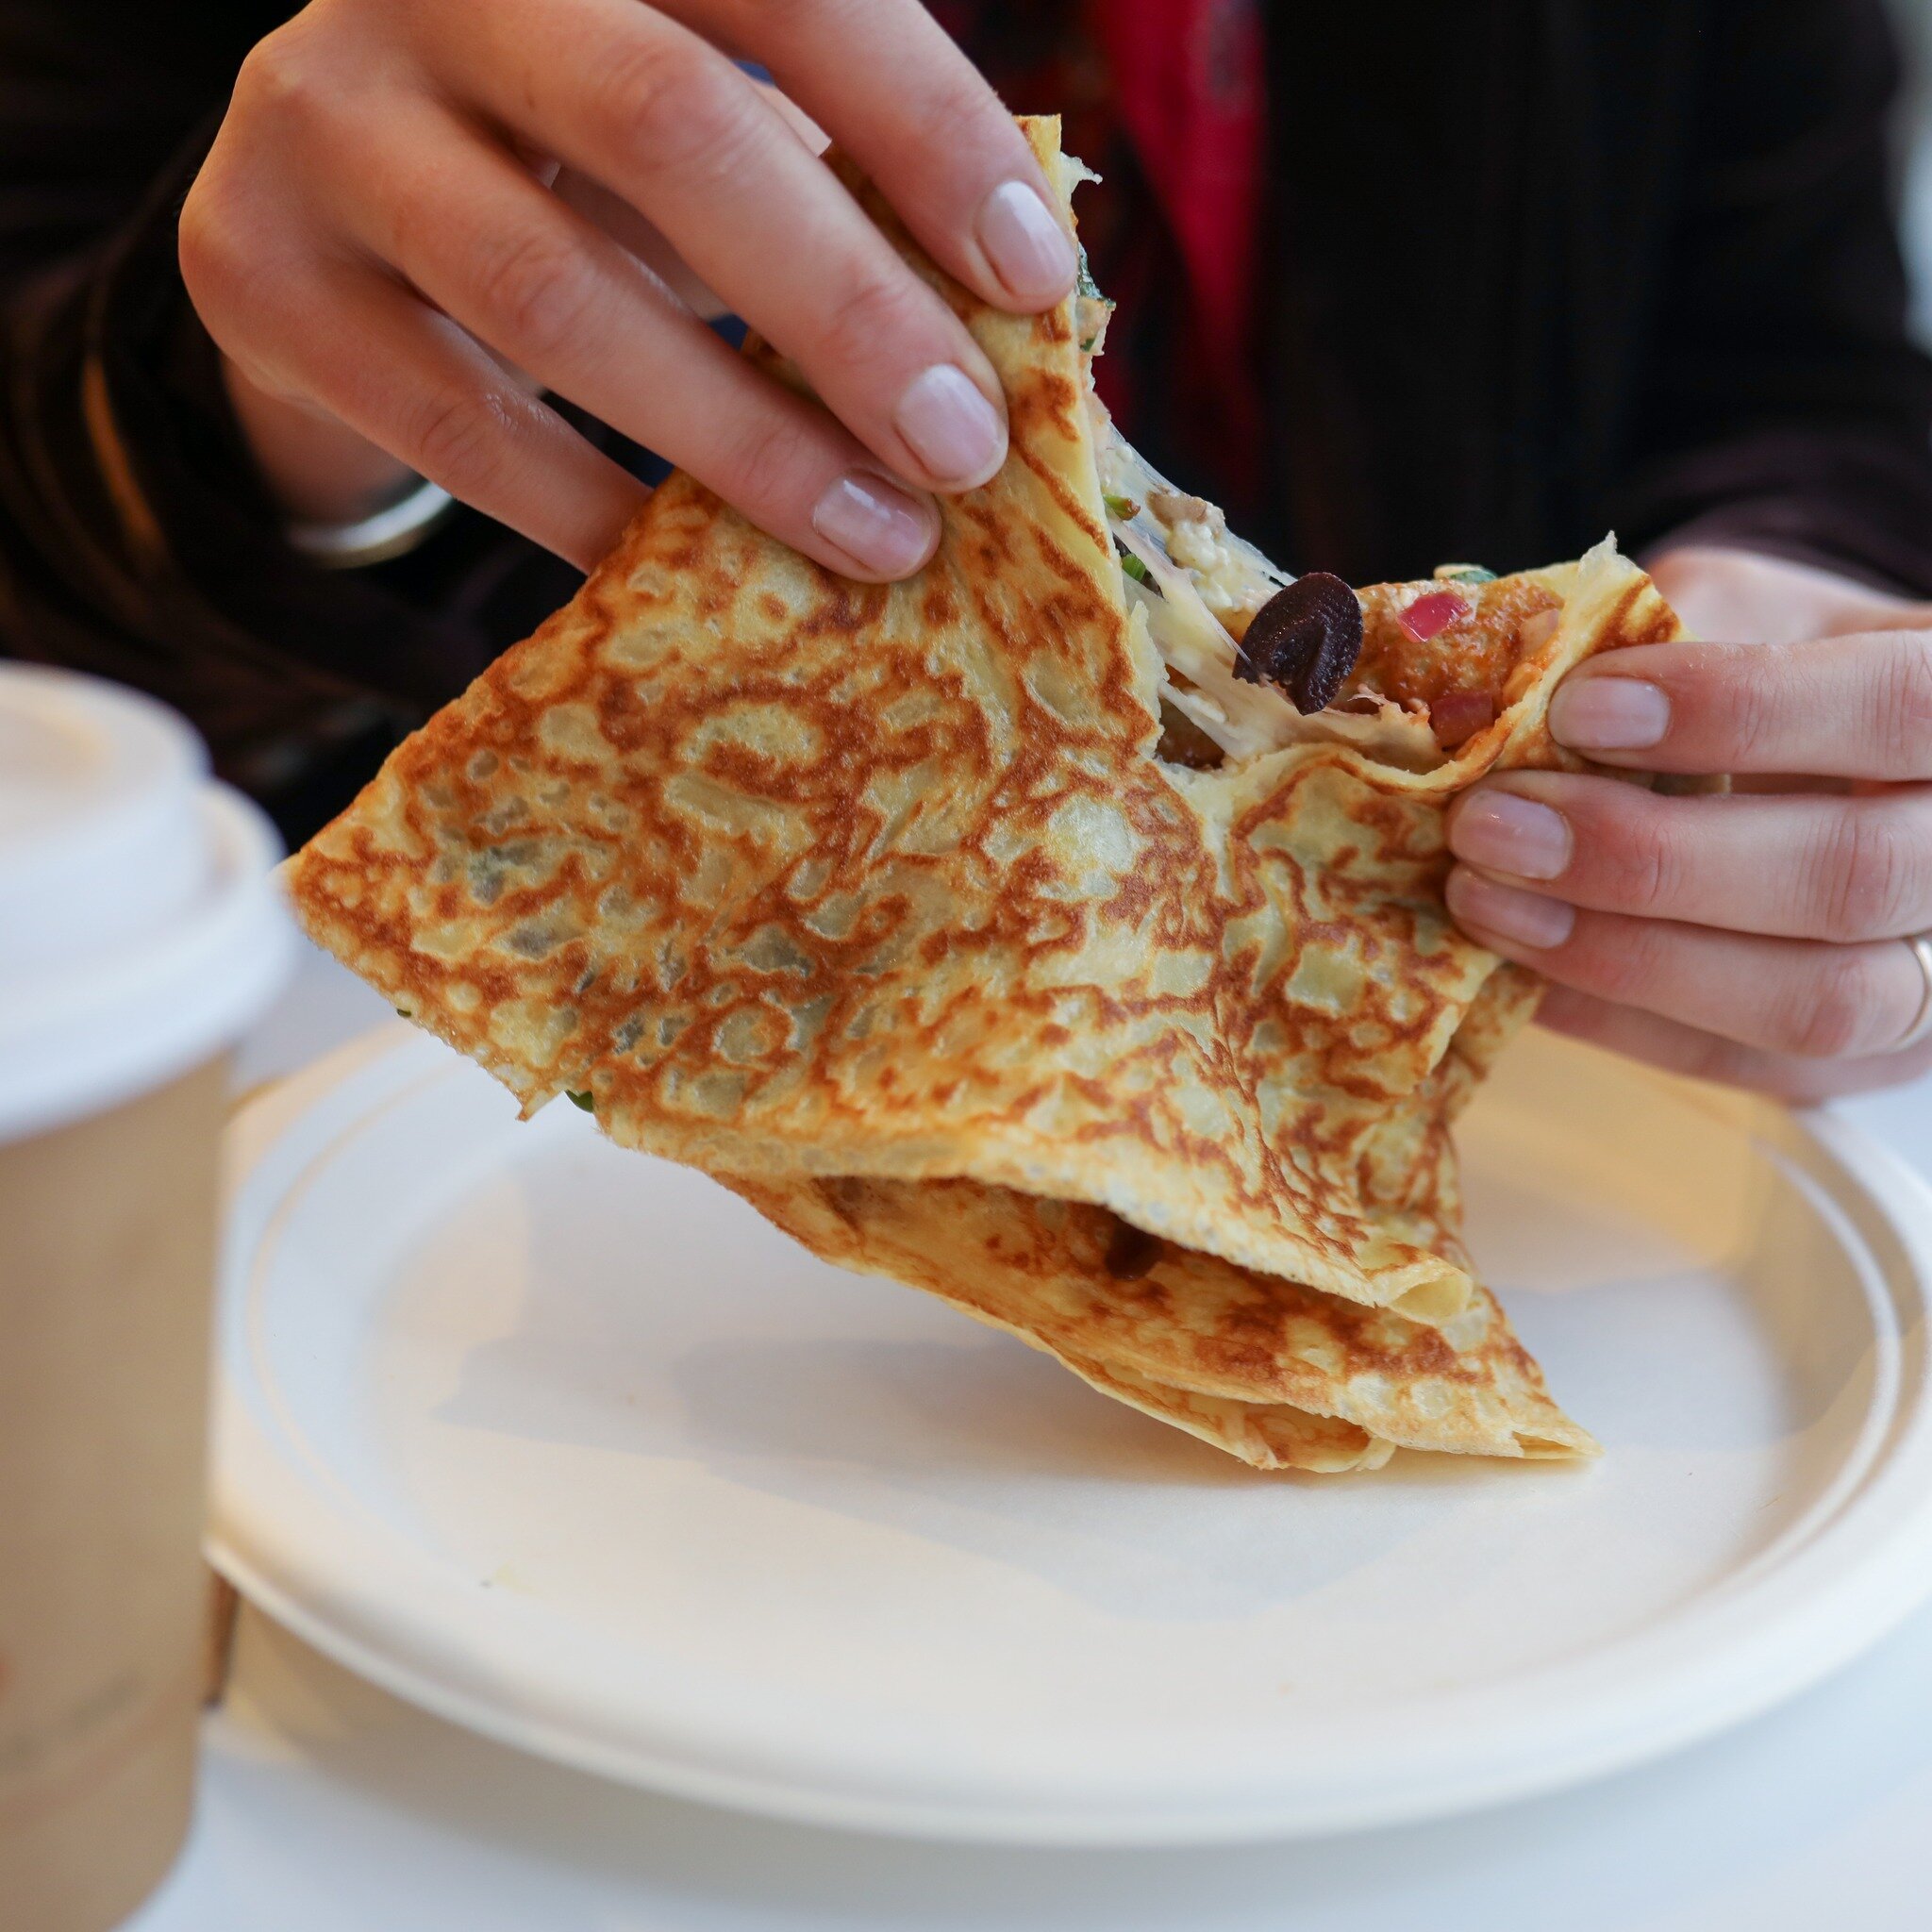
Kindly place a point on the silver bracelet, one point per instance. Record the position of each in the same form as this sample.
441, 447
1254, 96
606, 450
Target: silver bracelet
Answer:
376, 539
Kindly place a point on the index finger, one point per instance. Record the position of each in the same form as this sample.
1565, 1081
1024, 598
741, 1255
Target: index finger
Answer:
894, 90
654, 111
1856, 707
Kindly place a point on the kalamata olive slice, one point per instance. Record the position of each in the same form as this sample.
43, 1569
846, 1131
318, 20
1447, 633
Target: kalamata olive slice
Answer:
1304, 639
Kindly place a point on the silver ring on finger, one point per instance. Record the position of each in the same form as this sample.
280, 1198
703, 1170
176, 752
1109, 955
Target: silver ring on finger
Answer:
1921, 1028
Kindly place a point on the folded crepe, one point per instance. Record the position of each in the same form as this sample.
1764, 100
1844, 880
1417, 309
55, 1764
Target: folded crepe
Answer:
990, 931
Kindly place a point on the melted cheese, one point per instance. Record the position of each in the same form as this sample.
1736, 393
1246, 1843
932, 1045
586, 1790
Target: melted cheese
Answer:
1203, 584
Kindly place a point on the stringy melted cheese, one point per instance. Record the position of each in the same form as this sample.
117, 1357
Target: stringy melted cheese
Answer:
1198, 587
1203, 586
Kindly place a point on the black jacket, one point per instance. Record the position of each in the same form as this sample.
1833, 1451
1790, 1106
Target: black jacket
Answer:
1533, 268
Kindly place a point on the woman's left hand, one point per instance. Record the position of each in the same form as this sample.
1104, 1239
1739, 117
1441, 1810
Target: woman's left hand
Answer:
1758, 938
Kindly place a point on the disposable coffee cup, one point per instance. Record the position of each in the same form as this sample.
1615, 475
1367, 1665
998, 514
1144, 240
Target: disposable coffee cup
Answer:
138, 938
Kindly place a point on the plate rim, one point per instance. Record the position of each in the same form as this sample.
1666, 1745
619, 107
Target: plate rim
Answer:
1725, 1679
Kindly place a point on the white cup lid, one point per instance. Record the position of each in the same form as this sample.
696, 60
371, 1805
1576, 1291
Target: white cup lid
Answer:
139, 930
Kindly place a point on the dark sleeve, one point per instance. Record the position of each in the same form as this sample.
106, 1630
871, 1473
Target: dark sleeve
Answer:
1787, 407
136, 538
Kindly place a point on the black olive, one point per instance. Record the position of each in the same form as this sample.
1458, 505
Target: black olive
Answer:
1304, 639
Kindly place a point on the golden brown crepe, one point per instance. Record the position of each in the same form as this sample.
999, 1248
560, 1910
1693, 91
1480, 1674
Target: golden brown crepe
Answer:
877, 904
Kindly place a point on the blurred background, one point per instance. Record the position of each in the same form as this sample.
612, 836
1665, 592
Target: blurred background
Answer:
1915, 18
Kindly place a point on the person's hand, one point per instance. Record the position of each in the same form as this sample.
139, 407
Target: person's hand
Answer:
410, 224
1753, 939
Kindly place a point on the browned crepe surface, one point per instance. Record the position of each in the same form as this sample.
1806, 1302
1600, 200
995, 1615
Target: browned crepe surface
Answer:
876, 903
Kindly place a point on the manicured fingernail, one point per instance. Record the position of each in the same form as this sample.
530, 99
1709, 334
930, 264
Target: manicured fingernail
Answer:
1608, 713
954, 430
1526, 918
875, 522
1030, 251
1507, 833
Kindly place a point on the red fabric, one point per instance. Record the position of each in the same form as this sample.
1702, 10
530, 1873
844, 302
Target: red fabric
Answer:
1189, 88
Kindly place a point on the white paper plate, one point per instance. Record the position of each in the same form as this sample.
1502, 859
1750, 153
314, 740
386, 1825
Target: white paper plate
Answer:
568, 1445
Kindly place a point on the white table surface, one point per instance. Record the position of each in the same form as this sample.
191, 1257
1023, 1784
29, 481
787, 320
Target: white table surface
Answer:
330, 1806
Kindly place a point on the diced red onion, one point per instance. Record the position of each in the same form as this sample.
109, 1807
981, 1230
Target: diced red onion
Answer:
1429, 614
1458, 715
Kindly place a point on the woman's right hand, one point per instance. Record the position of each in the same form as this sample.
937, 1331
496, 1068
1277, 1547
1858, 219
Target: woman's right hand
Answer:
409, 225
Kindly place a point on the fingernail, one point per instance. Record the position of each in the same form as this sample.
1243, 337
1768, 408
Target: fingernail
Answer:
1528, 918
1030, 251
1507, 833
954, 430
1608, 713
875, 522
